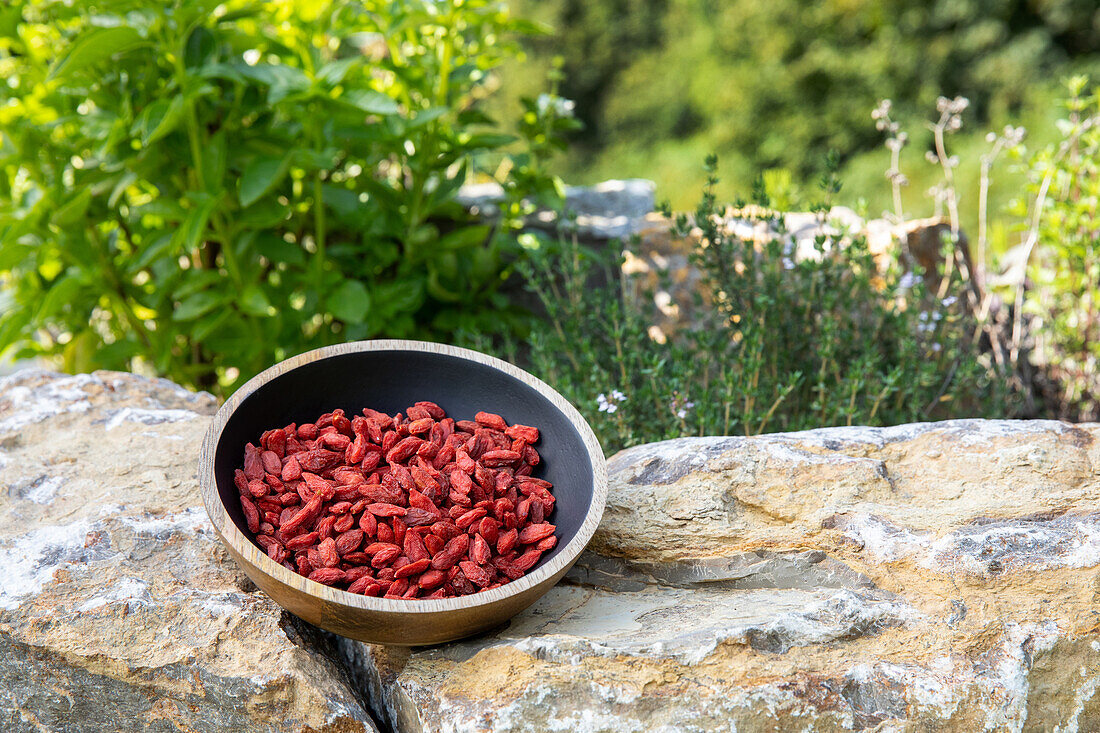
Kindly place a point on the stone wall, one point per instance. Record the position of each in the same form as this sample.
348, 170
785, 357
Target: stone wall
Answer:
926, 577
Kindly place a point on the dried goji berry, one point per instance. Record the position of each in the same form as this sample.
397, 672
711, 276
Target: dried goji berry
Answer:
443, 506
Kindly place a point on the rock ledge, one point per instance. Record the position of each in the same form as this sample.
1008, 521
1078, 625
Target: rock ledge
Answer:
925, 577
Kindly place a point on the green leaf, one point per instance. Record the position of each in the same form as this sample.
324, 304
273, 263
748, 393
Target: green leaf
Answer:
350, 302
288, 80
95, 46
260, 176
464, 237
438, 291
254, 302
13, 253
10, 20
275, 75
247, 11
196, 281
62, 292
97, 355
160, 246
489, 140
72, 210
162, 207
276, 249
423, 117
531, 27
198, 304
209, 323
474, 116
334, 72
370, 101
219, 70
343, 201
263, 214
310, 159
201, 45
400, 296
381, 190
163, 118
214, 157
13, 321
194, 225
124, 181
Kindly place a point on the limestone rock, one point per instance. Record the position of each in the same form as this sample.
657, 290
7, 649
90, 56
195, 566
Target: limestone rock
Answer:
119, 609
607, 210
926, 577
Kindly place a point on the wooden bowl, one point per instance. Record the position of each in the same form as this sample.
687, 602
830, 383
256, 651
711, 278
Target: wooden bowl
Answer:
389, 376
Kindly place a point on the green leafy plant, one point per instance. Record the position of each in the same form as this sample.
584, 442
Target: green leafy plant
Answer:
203, 188
1059, 289
778, 341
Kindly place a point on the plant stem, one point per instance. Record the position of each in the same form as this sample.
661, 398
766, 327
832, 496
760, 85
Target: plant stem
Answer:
319, 233
1033, 232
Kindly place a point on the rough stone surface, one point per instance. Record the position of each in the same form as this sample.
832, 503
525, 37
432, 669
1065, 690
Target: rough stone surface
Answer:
934, 577
607, 210
925, 577
119, 609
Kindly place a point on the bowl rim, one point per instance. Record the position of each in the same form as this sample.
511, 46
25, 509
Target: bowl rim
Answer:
229, 532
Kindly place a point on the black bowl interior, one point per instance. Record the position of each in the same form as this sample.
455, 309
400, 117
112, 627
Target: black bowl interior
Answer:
391, 381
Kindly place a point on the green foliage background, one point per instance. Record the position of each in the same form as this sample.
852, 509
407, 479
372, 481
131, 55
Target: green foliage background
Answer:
775, 85
202, 188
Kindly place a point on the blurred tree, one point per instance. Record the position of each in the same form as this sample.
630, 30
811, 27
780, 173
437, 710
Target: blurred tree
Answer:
777, 84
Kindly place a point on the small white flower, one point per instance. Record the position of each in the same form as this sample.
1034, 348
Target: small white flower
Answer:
681, 409
907, 281
609, 405
562, 107
936, 347
788, 263
949, 301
